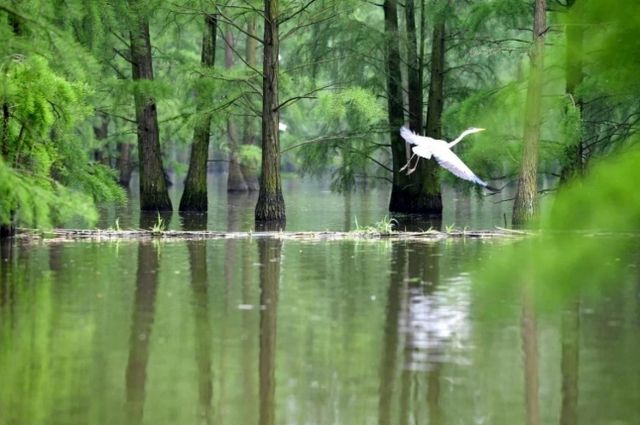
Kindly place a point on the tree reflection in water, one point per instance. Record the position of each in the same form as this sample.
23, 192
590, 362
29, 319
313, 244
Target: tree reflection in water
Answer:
141, 327
269, 251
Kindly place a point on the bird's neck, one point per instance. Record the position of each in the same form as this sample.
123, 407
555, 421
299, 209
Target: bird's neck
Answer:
460, 137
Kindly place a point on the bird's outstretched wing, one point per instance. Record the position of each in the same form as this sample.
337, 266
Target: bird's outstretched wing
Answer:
449, 160
411, 137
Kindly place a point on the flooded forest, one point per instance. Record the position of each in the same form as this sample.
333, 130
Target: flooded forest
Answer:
319, 212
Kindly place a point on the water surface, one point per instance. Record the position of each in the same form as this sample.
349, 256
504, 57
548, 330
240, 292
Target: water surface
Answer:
271, 332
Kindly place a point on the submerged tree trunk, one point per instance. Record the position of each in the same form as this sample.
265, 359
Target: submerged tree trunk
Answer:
525, 205
154, 195
250, 172
420, 191
574, 160
270, 206
235, 179
194, 197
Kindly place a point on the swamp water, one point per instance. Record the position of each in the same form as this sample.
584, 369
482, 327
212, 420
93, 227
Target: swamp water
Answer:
292, 332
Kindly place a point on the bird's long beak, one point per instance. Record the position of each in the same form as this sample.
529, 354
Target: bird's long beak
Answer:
481, 129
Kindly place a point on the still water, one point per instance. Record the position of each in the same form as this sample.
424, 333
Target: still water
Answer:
290, 332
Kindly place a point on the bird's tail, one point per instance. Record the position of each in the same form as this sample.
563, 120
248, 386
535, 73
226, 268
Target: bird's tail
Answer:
408, 135
486, 185
490, 188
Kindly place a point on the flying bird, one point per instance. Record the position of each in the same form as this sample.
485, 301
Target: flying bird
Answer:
426, 147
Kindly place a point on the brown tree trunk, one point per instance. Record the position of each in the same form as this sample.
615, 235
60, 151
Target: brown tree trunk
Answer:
154, 195
270, 206
413, 69
235, 179
395, 107
194, 197
250, 172
420, 191
573, 161
525, 206
125, 166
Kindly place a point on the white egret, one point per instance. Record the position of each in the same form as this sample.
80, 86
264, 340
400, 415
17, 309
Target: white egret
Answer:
426, 147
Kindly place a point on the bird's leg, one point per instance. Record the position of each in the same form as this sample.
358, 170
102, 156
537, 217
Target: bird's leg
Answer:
414, 167
408, 162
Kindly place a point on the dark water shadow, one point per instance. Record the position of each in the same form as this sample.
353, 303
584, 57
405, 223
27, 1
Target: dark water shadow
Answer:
7, 254
193, 221
270, 226
141, 327
202, 329
417, 222
569, 363
269, 252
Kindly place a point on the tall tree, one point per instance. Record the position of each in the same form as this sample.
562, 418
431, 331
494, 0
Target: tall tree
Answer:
249, 129
395, 107
422, 189
525, 205
154, 194
235, 179
194, 197
270, 206
574, 163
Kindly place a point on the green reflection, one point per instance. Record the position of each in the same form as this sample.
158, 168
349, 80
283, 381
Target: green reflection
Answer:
141, 327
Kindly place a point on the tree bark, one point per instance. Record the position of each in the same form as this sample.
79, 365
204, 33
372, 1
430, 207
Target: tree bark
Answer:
418, 192
194, 197
270, 206
249, 172
154, 195
574, 160
235, 179
413, 69
525, 206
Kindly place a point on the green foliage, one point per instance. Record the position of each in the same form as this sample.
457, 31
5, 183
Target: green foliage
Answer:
383, 227
47, 175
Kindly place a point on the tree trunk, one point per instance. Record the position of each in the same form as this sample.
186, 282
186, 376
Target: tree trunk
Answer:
235, 179
418, 192
413, 70
525, 205
270, 206
154, 195
194, 197
125, 167
573, 161
570, 360
249, 172
101, 132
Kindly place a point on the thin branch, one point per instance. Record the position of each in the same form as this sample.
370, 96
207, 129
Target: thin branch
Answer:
296, 13
307, 95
